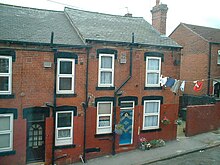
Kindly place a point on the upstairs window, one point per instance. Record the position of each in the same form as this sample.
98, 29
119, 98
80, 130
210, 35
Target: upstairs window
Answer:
5, 75
218, 62
6, 132
151, 115
65, 76
64, 128
153, 71
104, 117
106, 70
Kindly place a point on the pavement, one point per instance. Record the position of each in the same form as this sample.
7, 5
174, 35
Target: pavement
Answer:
181, 146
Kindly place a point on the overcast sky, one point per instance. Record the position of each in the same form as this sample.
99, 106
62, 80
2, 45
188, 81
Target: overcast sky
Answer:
197, 12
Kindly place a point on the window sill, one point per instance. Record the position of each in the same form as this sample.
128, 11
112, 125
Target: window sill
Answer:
152, 88
10, 96
66, 95
65, 146
151, 130
103, 135
6, 153
105, 88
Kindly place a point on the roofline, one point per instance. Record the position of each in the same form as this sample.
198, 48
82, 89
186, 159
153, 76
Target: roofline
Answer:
129, 43
185, 25
24, 7
74, 27
102, 13
44, 44
174, 30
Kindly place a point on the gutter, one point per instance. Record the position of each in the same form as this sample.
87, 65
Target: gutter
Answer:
54, 101
209, 68
85, 106
116, 95
136, 44
44, 44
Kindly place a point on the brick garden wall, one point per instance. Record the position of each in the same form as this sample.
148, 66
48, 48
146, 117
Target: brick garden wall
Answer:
202, 118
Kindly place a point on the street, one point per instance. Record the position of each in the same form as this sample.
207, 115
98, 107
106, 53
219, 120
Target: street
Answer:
203, 157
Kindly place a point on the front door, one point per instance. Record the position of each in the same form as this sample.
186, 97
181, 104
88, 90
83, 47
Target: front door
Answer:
35, 141
126, 119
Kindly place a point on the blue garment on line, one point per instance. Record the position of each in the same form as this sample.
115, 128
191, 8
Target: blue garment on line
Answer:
170, 82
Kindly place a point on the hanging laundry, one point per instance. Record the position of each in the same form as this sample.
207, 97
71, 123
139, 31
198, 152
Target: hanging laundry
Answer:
170, 82
198, 86
175, 86
163, 80
182, 86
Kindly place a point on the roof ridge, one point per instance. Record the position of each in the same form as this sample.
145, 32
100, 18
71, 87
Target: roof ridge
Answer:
201, 26
30, 8
193, 31
102, 13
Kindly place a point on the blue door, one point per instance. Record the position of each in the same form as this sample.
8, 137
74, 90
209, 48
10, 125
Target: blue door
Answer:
126, 118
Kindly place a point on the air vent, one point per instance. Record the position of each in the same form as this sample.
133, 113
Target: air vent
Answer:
47, 64
123, 59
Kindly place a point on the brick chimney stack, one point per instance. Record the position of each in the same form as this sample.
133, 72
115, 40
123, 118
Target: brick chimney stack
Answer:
159, 16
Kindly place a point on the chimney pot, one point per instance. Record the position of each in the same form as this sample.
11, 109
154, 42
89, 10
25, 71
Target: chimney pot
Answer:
159, 16
128, 15
157, 2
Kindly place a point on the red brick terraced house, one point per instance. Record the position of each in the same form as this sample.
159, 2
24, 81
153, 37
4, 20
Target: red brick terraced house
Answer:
68, 77
200, 58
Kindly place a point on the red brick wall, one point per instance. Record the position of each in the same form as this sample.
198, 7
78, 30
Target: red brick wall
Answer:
33, 85
134, 87
202, 118
19, 145
194, 59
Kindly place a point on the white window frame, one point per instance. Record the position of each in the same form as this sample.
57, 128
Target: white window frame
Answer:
218, 57
10, 131
9, 75
66, 140
106, 70
153, 71
71, 91
151, 114
105, 129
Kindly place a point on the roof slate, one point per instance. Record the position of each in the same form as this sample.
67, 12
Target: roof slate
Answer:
208, 33
115, 28
35, 25
74, 27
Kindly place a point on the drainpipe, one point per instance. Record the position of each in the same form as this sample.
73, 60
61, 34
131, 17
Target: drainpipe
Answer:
116, 94
85, 105
209, 68
54, 100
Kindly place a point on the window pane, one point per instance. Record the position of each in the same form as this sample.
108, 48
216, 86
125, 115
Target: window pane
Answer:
4, 140
65, 84
104, 108
65, 67
64, 120
153, 64
104, 121
4, 65
63, 133
152, 78
151, 121
106, 62
4, 123
106, 77
218, 59
151, 107
4, 81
